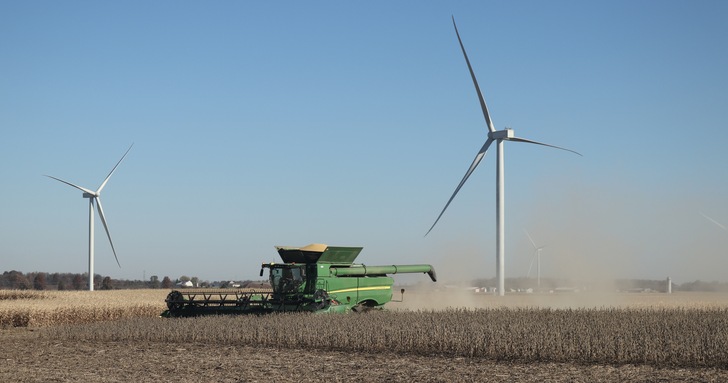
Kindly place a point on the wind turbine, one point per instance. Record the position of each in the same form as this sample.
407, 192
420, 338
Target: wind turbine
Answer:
499, 137
537, 256
95, 197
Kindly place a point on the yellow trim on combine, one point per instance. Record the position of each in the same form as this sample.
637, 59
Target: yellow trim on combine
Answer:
361, 289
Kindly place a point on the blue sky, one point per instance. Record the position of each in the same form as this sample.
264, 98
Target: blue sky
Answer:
258, 124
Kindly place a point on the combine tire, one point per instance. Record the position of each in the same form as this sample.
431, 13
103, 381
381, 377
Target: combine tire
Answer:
322, 299
175, 301
362, 308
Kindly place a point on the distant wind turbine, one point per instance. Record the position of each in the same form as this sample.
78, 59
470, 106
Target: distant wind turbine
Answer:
95, 196
537, 257
714, 221
499, 137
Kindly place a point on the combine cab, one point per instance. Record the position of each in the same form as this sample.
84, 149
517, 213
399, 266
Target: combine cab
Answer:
315, 278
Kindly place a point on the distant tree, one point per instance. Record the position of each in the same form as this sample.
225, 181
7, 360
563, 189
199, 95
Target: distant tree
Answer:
39, 282
154, 282
77, 282
194, 281
30, 277
22, 283
183, 278
106, 284
61, 285
18, 281
166, 283
53, 278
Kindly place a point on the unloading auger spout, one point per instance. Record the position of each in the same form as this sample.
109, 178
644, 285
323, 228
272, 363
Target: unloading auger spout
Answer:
363, 270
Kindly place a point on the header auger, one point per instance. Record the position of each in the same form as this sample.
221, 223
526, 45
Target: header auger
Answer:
314, 278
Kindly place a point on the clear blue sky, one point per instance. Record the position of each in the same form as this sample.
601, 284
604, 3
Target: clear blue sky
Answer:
258, 124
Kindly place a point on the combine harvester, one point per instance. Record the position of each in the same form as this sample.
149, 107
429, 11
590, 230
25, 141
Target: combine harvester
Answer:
315, 278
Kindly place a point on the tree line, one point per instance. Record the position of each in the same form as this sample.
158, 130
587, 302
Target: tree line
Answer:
79, 281
75, 281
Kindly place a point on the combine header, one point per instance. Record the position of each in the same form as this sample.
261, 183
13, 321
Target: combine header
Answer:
314, 278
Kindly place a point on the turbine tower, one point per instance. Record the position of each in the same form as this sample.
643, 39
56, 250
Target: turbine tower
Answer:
537, 256
94, 197
499, 137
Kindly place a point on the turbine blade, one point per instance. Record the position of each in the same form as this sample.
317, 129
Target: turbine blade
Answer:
112, 171
516, 139
530, 239
76, 186
530, 266
483, 106
106, 227
714, 221
476, 161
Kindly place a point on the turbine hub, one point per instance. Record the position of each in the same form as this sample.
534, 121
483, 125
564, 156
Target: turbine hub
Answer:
501, 134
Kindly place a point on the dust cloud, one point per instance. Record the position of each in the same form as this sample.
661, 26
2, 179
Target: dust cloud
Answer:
617, 229
595, 233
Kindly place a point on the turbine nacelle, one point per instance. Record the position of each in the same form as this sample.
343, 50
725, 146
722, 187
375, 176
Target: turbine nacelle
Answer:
504, 134
89, 195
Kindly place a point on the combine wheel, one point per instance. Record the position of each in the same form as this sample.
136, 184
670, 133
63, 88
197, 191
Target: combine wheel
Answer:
363, 307
175, 301
322, 299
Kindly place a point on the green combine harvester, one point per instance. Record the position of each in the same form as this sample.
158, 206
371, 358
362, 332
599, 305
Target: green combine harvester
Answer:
314, 278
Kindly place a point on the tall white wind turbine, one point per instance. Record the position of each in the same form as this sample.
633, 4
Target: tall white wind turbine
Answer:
537, 257
95, 197
497, 136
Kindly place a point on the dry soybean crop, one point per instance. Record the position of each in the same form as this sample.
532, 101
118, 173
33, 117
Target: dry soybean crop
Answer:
677, 339
662, 337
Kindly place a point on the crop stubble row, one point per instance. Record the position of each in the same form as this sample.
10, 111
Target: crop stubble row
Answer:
691, 337
669, 337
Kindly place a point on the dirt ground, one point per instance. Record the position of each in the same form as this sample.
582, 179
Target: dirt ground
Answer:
25, 358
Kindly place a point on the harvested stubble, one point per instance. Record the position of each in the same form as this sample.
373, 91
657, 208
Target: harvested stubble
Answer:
48, 308
661, 337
